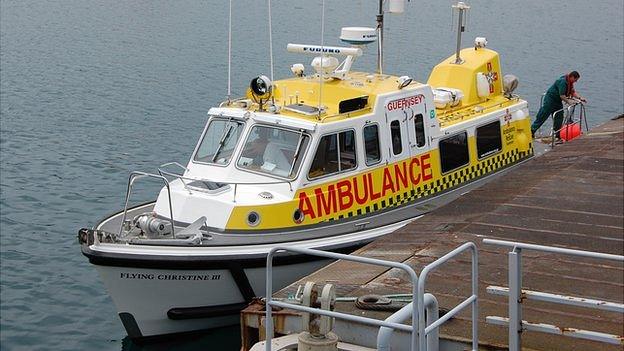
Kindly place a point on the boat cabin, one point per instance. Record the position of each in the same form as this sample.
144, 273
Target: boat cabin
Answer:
321, 147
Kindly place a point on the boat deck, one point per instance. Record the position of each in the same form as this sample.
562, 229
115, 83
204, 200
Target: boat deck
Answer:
571, 197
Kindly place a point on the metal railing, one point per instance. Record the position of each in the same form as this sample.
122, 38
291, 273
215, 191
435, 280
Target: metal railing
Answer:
568, 117
131, 179
336, 256
419, 334
472, 300
516, 296
432, 308
191, 188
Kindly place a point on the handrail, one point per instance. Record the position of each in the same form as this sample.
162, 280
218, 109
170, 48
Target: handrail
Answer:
131, 179
332, 255
182, 178
384, 335
568, 118
552, 249
423, 330
516, 295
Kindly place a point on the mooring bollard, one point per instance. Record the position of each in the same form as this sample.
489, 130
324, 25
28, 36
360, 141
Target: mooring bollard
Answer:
317, 330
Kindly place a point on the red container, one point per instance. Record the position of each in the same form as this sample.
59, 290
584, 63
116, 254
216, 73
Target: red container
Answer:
570, 131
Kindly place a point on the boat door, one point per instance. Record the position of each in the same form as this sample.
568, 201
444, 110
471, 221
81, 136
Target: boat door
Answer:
417, 130
399, 110
398, 141
407, 124
409, 143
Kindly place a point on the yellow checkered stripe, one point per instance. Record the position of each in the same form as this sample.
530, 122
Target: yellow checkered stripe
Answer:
446, 183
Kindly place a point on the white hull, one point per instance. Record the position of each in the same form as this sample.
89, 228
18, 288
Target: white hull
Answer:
146, 297
148, 294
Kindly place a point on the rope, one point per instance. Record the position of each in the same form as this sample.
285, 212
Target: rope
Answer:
391, 303
372, 302
378, 303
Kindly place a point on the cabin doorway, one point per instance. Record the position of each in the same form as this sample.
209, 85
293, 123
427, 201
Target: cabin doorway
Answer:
417, 131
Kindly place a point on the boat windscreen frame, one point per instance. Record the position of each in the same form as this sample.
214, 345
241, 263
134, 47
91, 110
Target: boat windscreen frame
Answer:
211, 119
302, 154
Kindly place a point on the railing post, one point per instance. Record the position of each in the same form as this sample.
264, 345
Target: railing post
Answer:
268, 314
515, 295
475, 292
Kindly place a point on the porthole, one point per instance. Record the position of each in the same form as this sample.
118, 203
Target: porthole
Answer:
253, 219
298, 216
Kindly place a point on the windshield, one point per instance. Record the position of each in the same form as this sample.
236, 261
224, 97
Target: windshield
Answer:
219, 141
273, 151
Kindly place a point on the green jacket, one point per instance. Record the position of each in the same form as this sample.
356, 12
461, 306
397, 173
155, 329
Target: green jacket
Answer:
560, 87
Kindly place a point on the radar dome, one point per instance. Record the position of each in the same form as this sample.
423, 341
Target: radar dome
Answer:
358, 35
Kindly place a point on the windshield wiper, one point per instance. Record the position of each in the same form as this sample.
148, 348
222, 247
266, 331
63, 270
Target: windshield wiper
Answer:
224, 137
297, 150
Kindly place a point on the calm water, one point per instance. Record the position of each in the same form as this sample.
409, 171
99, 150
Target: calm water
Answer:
92, 90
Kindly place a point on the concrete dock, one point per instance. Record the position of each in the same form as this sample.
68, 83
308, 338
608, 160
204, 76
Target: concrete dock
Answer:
572, 197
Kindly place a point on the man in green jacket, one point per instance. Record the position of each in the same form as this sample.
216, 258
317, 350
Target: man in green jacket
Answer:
561, 90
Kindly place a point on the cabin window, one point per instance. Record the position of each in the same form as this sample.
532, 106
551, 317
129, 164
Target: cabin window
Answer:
219, 141
454, 152
489, 139
395, 134
419, 125
273, 151
371, 144
352, 104
335, 153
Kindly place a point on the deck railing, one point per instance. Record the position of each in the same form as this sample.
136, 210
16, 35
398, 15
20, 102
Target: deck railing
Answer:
418, 334
134, 176
516, 297
472, 300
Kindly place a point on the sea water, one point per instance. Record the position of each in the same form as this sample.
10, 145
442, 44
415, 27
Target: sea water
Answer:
91, 90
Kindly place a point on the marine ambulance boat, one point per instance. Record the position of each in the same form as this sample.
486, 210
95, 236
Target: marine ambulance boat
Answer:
329, 160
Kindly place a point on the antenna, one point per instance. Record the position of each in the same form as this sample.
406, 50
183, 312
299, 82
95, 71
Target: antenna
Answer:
229, 91
395, 6
322, 60
461, 8
270, 40
380, 16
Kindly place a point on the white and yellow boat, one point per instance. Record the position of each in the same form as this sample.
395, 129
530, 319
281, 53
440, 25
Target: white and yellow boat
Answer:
329, 160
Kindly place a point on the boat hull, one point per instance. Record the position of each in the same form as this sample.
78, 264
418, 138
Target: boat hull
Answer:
157, 301
167, 290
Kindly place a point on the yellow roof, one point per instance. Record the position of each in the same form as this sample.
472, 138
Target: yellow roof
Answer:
447, 74
306, 91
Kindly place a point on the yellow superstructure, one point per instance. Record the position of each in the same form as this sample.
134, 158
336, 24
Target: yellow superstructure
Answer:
416, 177
308, 91
461, 76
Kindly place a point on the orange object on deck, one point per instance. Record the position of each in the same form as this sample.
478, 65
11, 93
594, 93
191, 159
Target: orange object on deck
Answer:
570, 131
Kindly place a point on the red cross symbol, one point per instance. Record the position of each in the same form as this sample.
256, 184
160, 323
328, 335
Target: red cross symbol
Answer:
507, 116
491, 76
